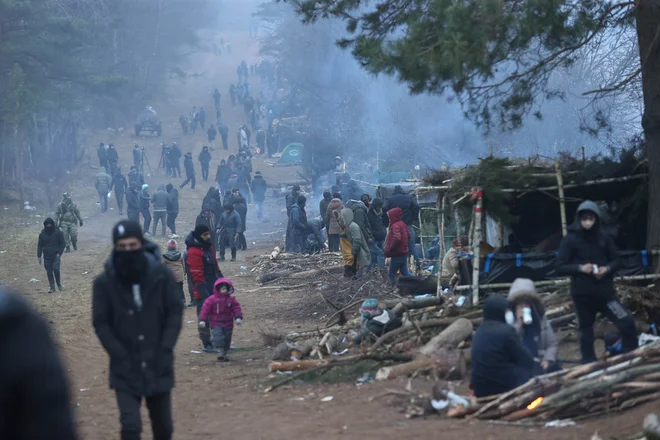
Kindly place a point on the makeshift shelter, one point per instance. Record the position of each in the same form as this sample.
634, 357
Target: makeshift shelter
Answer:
536, 201
291, 155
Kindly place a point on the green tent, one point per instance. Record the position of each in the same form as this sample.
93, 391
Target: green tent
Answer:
291, 155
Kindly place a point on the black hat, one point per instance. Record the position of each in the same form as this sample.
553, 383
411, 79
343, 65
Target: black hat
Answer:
49, 221
257, 173
229, 206
127, 229
302, 200
296, 187
200, 230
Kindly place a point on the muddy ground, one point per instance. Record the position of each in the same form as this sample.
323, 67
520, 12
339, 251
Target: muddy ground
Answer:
222, 400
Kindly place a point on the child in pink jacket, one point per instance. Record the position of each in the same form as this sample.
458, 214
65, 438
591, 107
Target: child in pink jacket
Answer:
221, 309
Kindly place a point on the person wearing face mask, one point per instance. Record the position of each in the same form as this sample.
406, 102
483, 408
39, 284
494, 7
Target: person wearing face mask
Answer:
533, 326
51, 245
499, 362
204, 271
375, 321
589, 256
137, 315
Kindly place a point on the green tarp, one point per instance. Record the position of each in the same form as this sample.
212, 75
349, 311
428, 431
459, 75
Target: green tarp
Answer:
292, 154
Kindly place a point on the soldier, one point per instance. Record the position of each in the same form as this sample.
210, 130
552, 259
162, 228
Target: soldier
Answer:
66, 216
120, 185
103, 184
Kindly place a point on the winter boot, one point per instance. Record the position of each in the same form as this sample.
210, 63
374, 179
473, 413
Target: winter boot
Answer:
51, 289
222, 356
208, 348
75, 246
68, 249
60, 287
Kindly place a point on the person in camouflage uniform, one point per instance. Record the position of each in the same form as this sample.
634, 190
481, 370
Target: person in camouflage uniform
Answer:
66, 217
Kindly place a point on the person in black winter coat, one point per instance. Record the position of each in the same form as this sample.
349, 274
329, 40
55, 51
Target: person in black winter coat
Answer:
212, 200
228, 227
172, 208
145, 205
120, 186
34, 390
51, 245
137, 314
590, 257
222, 175
137, 156
208, 219
291, 199
212, 133
204, 160
410, 209
175, 158
352, 189
224, 134
102, 153
298, 225
113, 158
244, 180
133, 204
259, 187
190, 171
325, 201
500, 362
315, 238
240, 205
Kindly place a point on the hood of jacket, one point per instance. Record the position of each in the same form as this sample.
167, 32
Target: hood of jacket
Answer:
209, 194
258, 177
356, 205
590, 206
161, 187
524, 290
221, 281
151, 253
495, 308
192, 241
172, 255
395, 215
51, 231
335, 203
348, 216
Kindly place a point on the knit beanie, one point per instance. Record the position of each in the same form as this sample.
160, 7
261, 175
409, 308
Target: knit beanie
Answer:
127, 229
145, 186
201, 229
369, 306
171, 245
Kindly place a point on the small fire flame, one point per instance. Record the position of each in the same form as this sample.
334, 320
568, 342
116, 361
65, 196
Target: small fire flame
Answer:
535, 403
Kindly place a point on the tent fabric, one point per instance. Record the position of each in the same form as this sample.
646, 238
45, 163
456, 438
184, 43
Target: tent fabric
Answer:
292, 154
505, 268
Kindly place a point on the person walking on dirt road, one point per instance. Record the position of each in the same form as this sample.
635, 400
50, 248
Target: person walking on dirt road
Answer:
103, 183
204, 271
159, 199
35, 401
204, 160
145, 204
51, 245
133, 204
120, 186
190, 171
137, 315
66, 217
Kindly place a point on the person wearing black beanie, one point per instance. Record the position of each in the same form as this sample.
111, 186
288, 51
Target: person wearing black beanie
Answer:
229, 227
137, 315
51, 245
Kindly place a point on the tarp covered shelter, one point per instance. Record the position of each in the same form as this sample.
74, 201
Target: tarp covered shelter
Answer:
292, 154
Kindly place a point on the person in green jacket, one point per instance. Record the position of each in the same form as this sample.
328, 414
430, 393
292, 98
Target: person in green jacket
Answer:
66, 217
375, 321
359, 246
103, 183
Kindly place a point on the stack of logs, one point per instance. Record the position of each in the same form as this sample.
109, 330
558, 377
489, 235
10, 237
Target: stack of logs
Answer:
614, 384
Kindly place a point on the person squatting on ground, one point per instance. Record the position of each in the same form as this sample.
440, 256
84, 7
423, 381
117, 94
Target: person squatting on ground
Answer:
396, 245
66, 217
220, 310
375, 321
332, 223
160, 199
259, 187
204, 271
145, 205
137, 314
103, 183
35, 402
500, 361
51, 245
533, 326
120, 186
174, 261
133, 204
227, 228
204, 160
450, 263
172, 208
588, 254
190, 171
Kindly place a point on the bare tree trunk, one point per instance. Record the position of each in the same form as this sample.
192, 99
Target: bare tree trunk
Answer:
648, 34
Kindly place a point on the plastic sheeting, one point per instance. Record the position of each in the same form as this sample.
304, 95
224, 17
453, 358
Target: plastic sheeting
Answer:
505, 268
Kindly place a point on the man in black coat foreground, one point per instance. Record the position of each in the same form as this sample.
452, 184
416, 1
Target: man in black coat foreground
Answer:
590, 257
500, 362
51, 245
34, 393
137, 316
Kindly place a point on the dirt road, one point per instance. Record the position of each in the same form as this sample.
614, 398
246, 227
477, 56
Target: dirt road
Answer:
221, 400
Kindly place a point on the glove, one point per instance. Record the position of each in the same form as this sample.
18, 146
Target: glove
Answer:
80, 222
39, 261
202, 324
239, 321
203, 291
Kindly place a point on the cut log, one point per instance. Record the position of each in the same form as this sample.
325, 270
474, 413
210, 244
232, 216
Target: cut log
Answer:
458, 331
281, 352
316, 272
337, 361
413, 303
450, 364
406, 369
296, 365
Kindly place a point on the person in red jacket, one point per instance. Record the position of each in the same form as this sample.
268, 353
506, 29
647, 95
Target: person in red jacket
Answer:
204, 271
396, 245
221, 309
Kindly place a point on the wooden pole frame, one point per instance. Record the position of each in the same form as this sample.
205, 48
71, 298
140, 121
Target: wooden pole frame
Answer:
477, 197
441, 233
562, 200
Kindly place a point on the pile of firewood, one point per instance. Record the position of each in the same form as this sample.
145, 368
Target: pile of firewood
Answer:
614, 384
